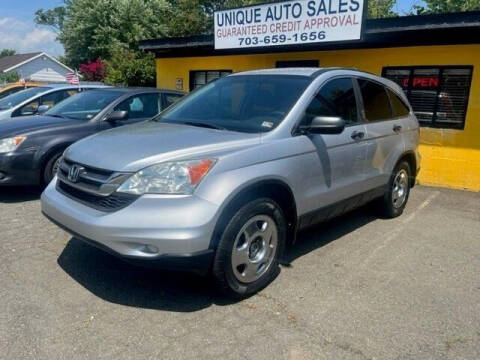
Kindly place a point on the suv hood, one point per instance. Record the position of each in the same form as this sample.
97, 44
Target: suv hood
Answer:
134, 147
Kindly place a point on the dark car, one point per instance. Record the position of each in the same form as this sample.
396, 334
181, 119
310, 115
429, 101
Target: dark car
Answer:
31, 146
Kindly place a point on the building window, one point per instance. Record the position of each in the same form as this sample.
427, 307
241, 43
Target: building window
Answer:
202, 77
438, 94
297, 63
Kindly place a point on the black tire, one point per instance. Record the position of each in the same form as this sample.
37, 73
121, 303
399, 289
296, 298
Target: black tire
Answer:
388, 207
224, 275
48, 170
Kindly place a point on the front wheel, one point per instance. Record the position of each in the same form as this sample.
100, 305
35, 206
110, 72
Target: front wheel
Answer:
395, 199
51, 168
249, 249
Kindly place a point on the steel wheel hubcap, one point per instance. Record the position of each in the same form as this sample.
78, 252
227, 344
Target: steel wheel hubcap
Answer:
254, 248
400, 189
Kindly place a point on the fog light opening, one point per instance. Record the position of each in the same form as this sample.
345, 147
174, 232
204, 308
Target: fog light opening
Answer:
150, 249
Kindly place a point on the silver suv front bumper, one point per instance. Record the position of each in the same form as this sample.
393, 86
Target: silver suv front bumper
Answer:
152, 227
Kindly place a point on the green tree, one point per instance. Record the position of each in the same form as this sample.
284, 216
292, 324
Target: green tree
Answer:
380, 8
446, 6
131, 68
91, 29
7, 52
193, 17
9, 77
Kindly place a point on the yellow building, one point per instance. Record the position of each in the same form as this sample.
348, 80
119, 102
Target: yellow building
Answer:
434, 58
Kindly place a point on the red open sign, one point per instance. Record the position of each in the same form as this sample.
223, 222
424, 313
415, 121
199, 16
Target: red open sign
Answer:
422, 82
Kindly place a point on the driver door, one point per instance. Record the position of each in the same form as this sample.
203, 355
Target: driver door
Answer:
340, 170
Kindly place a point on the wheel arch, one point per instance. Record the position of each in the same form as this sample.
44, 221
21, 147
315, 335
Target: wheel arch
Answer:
46, 156
410, 158
275, 189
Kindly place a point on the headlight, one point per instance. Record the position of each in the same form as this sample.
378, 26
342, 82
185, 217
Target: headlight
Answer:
174, 177
10, 144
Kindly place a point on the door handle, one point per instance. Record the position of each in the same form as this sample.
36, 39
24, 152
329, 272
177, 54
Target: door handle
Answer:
357, 135
397, 128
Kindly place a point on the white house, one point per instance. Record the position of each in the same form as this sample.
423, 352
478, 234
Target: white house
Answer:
37, 66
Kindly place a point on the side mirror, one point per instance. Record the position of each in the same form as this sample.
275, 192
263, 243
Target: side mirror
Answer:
42, 109
326, 125
118, 115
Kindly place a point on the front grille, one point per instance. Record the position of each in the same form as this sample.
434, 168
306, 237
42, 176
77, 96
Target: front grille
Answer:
110, 203
91, 180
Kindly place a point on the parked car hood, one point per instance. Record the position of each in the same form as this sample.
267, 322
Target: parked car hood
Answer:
133, 147
23, 125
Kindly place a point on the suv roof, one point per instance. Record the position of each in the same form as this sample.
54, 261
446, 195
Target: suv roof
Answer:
134, 90
299, 71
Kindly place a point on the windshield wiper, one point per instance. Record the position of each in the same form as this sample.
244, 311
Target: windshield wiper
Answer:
205, 125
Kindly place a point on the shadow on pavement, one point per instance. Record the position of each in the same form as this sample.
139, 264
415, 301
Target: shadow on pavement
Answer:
15, 194
319, 235
119, 282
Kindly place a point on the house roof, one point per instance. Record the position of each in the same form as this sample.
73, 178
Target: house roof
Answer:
436, 29
12, 62
7, 62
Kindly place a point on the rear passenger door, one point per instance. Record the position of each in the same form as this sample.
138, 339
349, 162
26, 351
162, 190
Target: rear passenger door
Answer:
341, 156
384, 131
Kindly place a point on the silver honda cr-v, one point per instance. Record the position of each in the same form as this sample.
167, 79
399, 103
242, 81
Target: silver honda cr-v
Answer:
222, 180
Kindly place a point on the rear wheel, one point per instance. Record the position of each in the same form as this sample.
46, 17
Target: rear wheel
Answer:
395, 199
247, 255
51, 167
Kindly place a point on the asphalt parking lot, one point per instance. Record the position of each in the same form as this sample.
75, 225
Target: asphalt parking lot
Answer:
358, 287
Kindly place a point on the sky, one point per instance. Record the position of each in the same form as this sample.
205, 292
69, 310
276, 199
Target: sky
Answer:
18, 30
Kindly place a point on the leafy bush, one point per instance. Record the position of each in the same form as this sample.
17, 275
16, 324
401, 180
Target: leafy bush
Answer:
93, 70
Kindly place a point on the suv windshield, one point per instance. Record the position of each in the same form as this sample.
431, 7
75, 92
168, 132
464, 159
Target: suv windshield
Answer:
245, 103
19, 97
85, 105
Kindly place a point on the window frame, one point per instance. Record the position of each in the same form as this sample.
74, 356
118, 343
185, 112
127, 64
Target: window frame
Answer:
191, 75
441, 69
364, 114
360, 117
394, 112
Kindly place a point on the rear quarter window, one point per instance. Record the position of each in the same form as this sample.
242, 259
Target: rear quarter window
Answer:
375, 101
399, 107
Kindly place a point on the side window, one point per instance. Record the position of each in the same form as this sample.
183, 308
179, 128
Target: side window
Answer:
140, 106
28, 109
336, 98
375, 101
170, 98
399, 107
54, 98
9, 92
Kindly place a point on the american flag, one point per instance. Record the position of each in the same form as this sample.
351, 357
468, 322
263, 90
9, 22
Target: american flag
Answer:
21, 81
72, 78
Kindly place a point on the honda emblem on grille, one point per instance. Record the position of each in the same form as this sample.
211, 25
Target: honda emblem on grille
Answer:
75, 172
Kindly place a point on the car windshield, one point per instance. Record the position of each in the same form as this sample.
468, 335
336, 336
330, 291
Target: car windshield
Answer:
85, 105
19, 97
244, 103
